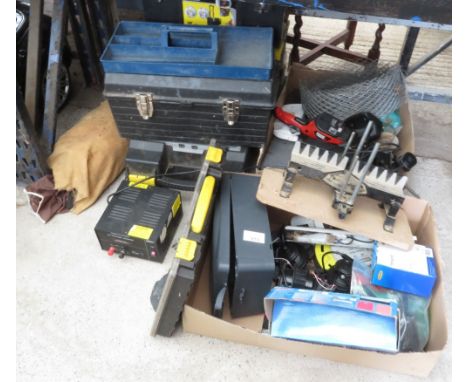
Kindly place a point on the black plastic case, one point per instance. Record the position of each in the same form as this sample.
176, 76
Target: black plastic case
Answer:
242, 260
222, 247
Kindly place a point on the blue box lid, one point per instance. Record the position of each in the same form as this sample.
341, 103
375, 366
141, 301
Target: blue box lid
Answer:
190, 51
333, 318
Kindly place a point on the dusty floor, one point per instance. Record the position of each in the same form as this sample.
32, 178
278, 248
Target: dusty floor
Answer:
84, 316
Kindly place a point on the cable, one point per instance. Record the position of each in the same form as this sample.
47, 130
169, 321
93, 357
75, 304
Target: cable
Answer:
343, 255
384, 147
322, 283
126, 188
361, 241
286, 260
343, 242
148, 178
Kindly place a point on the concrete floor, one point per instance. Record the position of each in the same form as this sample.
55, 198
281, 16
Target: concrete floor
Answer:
84, 316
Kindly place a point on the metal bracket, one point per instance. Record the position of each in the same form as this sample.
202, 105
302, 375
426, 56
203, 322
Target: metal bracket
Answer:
231, 111
347, 180
144, 103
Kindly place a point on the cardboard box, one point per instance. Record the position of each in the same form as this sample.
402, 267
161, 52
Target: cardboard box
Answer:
291, 94
419, 218
318, 204
313, 199
197, 316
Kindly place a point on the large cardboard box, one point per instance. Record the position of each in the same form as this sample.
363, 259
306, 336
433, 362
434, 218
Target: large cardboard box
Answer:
291, 94
197, 316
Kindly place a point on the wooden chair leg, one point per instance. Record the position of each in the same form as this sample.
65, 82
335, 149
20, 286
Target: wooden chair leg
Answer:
294, 55
374, 52
351, 27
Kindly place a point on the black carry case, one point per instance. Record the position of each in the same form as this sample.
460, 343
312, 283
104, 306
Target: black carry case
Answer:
254, 265
242, 258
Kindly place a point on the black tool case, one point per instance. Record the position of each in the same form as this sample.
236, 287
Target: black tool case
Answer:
224, 93
242, 261
188, 109
222, 247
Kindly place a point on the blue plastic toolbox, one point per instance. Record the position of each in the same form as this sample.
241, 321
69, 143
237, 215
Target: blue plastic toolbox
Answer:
190, 51
193, 84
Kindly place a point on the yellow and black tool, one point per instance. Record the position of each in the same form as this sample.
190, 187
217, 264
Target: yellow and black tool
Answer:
170, 293
208, 12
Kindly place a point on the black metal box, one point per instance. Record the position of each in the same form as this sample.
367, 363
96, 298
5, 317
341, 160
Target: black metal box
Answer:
140, 222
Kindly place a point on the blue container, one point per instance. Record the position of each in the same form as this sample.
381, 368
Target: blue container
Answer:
190, 51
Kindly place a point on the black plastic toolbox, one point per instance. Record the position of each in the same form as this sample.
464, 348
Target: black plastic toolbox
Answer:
189, 109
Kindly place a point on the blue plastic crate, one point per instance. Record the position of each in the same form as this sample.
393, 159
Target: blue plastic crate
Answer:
190, 51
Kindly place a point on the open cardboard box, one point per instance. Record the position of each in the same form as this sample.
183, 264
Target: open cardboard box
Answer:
197, 316
276, 153
318, 204
291, 94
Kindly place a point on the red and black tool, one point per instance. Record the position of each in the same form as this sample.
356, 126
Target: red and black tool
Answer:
332, 130
325, 127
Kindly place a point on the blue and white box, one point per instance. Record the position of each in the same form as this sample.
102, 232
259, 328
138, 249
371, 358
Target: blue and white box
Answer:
333, 318
412, 271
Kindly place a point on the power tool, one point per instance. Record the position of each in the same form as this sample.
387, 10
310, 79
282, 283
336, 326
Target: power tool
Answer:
348, 177
329, 129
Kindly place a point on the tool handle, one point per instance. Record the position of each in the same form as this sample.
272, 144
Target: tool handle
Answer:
182, 43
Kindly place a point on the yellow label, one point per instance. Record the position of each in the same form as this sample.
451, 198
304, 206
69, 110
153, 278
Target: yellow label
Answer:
198, 12
140, 232
380, 275
135, 178
203, 204
214, 154
176, 205
186, 249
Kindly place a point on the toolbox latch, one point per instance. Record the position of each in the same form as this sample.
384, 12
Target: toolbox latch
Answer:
231, 111
144, 103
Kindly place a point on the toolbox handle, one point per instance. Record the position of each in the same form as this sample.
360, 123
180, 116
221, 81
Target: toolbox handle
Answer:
182, 43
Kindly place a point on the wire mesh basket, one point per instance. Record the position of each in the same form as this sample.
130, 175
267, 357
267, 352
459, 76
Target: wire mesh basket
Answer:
342, 93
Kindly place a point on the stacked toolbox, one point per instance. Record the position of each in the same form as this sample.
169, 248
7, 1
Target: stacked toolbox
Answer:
169, 82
